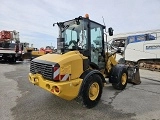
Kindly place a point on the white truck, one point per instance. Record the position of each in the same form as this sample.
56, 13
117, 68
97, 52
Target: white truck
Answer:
141, 49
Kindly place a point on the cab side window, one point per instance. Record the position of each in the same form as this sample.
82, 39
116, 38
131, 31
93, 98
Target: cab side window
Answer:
96, 45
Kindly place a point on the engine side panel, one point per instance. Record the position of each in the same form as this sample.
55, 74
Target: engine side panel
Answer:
71, 63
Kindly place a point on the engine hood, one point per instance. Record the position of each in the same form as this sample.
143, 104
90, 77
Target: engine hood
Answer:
71, 63
49, 57
61, 58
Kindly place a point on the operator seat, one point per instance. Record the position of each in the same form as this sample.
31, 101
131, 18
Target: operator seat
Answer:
72, 44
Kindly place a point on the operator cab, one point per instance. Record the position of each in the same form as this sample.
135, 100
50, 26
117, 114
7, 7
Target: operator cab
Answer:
84, 35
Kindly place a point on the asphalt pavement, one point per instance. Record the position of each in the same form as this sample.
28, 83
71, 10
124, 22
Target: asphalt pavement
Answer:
20, 100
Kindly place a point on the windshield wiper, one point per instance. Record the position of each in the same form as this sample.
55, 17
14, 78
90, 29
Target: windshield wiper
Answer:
62, 26
65, 28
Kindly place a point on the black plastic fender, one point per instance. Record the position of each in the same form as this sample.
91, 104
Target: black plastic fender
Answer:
115, 73
88, 73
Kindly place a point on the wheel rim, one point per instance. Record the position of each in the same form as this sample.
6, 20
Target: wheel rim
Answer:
94, 91
124, 79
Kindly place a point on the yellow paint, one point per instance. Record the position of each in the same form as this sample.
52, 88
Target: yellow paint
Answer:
68, 90
37, 53
94, 91
124, 79
111, 61
65, 70
70, 62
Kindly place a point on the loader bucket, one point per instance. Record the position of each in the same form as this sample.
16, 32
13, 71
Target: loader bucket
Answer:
134, 75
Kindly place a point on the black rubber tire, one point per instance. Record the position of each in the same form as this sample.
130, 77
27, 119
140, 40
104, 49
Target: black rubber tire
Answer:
86, 101
5, 59
12, 60
119, 85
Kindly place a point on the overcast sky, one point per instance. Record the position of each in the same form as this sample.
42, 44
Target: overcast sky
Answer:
34, 18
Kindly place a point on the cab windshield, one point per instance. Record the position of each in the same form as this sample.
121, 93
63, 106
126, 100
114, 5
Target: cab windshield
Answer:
75, 34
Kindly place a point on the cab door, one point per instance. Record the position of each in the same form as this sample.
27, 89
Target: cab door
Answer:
97, 45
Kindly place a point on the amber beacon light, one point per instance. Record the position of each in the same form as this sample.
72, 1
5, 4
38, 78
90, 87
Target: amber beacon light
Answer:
87, 16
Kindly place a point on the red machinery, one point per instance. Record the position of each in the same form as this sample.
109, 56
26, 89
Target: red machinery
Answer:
46, 50
10, 46
5, 35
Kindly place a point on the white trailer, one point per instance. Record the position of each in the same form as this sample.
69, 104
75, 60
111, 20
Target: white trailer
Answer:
142, 48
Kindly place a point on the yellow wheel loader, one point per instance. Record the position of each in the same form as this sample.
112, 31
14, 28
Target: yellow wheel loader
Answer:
81, 64
42, 51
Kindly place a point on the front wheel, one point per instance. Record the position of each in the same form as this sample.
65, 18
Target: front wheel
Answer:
92, 91
122, 80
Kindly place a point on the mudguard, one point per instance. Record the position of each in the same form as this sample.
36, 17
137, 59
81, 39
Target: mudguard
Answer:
133, 74
88, 73
115, 73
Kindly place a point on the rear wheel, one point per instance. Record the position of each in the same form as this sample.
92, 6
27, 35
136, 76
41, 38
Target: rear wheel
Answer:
122, 80
92, 91
12, 60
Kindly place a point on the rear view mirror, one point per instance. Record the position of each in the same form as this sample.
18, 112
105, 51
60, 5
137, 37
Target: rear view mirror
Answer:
54, 24
110, 31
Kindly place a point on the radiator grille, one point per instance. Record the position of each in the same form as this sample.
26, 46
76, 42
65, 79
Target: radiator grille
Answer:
46, 70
